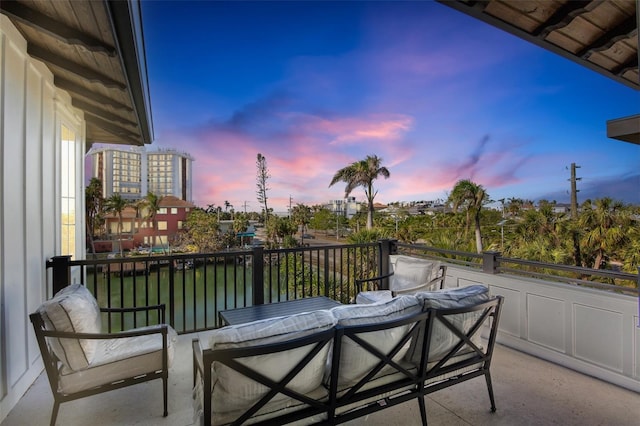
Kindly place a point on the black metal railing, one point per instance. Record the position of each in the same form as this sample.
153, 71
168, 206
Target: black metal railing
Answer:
196, 287
492, 262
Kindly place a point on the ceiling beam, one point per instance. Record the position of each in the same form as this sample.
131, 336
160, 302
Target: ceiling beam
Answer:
54, 28
608, 39
74, 88
630, 65
112, 128
74, 68
99, 112
561, 17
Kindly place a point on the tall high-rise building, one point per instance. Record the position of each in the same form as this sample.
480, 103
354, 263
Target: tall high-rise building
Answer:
133, 172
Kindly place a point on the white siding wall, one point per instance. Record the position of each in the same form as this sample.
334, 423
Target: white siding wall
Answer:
591, 331
31, 112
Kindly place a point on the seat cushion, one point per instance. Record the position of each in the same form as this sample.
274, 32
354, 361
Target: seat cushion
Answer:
233, 391
72, 309
355, 361
120, 358
442, 339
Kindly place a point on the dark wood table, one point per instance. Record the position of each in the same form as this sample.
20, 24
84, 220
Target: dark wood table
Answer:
278, 309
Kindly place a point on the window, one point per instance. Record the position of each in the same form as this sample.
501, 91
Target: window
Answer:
180, 225
68, 192
162, 210
174, 210
162, 225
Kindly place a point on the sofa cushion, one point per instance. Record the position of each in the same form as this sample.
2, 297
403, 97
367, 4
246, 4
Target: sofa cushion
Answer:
355, 361
442, 339
120, 358
374, 296
409, 273
233, 391
72, 309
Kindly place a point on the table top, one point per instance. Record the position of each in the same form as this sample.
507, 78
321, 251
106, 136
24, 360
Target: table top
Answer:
278, 309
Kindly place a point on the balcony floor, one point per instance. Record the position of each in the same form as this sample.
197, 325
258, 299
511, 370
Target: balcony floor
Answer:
528, 391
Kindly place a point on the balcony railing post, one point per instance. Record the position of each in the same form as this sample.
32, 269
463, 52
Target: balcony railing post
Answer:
638, 287
490, 261
387, 248
61, 272
172, 294
258, 276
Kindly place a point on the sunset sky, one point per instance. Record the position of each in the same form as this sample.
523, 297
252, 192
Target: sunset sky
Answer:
437, 95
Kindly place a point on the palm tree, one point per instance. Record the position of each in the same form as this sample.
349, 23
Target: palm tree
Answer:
94, 207
362, 173
301, 216
605, 225
471, 197
116, 204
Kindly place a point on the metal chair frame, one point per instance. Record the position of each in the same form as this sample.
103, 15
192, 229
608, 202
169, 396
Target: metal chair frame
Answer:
51, 362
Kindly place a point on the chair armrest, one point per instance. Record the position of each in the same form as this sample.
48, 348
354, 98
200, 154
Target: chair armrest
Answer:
365, 280
160, 308
154, 329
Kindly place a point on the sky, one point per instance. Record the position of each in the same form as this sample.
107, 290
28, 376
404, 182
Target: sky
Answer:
437, 95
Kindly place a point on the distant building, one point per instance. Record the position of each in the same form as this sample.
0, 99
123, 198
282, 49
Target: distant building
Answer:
133, 172
138, 231
347, 207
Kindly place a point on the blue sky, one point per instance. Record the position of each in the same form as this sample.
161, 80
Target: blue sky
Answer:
438, 95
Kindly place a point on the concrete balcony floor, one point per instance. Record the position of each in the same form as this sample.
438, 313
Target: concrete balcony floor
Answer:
528, 391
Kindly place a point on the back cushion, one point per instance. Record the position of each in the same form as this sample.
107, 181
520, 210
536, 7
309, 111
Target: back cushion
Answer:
355, 361
442, 339
72, 309
234, 391
410, 272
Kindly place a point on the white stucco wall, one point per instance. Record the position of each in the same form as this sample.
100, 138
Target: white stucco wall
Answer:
32, 112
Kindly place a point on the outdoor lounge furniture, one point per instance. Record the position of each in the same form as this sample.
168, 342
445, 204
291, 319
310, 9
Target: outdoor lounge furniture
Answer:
408, 275
81, 361
332, 366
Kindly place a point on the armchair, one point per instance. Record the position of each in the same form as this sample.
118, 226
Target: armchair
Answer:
81, 361
408, 275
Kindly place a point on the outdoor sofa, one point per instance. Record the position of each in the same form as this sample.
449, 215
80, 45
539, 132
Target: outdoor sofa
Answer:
332, 366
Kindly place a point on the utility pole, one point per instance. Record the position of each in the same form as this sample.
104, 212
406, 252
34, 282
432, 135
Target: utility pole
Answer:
290, 202
574, 214
574, 191
245, 206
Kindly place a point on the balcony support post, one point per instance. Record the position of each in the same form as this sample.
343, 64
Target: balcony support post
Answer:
490, 261
387, 248
61, 272
258, 275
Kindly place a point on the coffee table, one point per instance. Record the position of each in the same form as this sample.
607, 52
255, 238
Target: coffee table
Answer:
278, 309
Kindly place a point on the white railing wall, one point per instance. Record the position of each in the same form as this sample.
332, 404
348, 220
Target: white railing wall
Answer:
591, 331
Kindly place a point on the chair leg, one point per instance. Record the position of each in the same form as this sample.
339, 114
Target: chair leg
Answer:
487, 376
165, 387
54, 412
423, 410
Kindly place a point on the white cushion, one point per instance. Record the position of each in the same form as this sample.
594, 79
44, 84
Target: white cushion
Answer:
233, 391
376, 296
72, 309
409, 273
355, 361
120, 358
442, 339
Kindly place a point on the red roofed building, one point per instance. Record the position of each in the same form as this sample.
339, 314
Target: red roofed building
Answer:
140, 232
